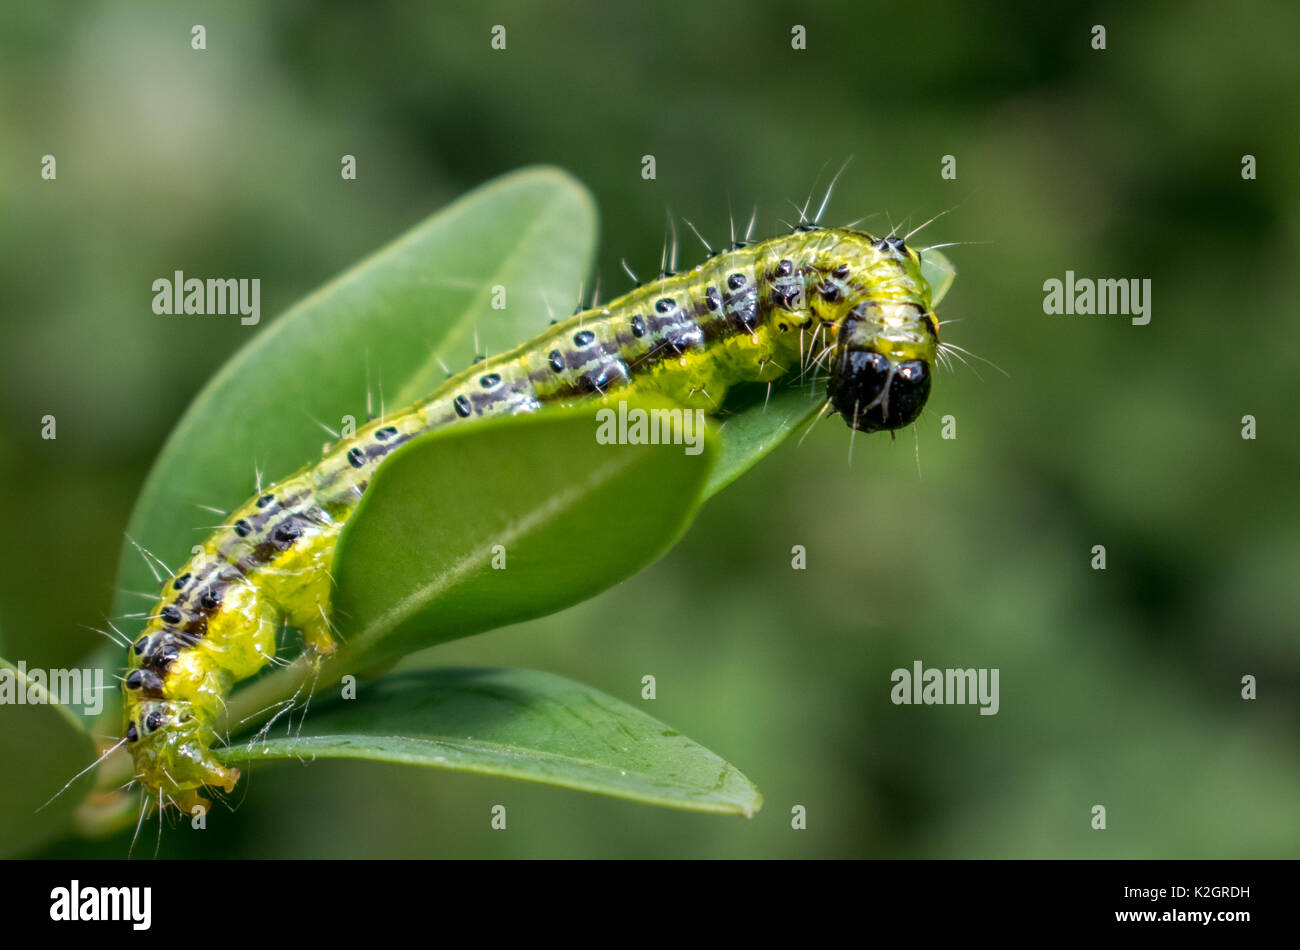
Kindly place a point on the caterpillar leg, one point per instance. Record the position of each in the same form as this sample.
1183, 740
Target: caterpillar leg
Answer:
218, 776
320, 639
197, 766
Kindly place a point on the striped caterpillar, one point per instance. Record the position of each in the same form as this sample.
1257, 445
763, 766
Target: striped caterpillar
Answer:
840, 301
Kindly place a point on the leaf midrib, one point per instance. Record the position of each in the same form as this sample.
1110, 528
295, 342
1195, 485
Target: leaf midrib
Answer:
554, 507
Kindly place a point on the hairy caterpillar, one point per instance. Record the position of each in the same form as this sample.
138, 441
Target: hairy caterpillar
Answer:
836, 300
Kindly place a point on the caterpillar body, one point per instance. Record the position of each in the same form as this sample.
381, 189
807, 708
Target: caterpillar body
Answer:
853, 302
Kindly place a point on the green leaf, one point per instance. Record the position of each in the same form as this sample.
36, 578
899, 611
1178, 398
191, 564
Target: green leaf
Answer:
420, 561
939, 273
390, 318
521, 724
756, 427
42, 747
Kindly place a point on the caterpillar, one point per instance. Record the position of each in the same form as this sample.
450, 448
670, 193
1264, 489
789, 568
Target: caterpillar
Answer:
834, 300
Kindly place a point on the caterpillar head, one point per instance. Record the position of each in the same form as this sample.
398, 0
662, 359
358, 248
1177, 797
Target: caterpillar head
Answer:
886, 348
170, 747
882, 368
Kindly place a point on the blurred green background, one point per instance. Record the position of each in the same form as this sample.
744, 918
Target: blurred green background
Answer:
1118, 687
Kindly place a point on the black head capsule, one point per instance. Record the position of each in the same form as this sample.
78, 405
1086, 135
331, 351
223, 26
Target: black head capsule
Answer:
873, 392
